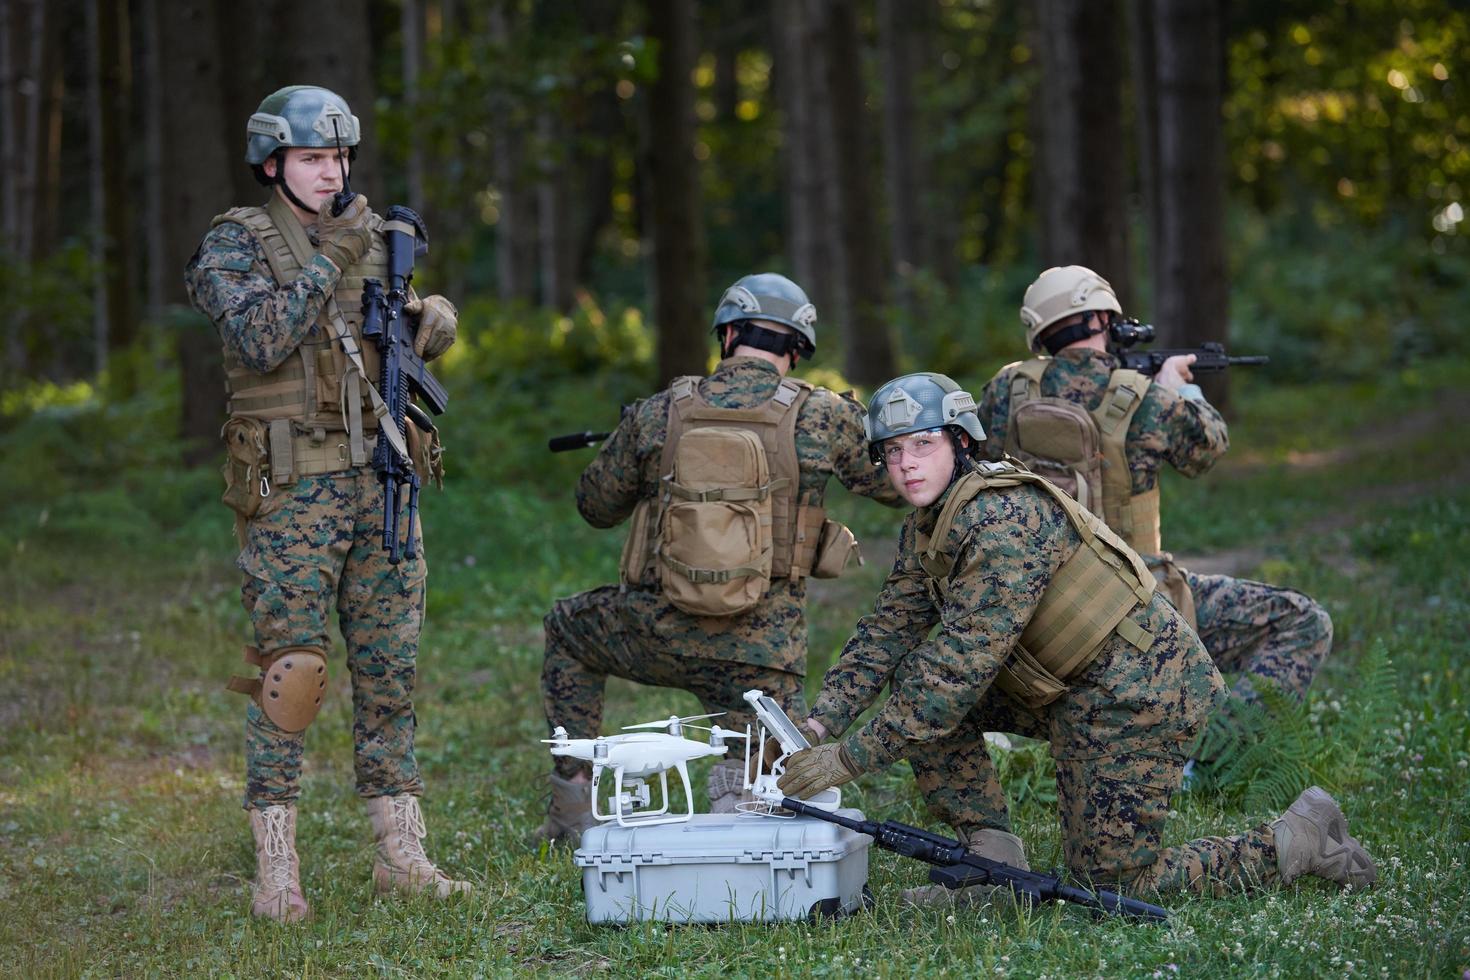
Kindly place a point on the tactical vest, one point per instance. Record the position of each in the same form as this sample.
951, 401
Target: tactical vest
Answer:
1085, 452
1088, 600
316, 404
796, 526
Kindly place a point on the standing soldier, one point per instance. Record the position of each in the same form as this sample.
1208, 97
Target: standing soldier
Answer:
283, 284
1103, 432
723, 478
1050, 626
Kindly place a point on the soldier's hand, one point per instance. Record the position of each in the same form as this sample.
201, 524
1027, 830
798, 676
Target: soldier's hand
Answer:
1175, 373
772, 750
345, 238
810, 771
438, 325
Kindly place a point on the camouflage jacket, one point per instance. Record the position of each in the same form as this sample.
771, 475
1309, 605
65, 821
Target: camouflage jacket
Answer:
260, 320
1188, 435
829, 443
1007, 544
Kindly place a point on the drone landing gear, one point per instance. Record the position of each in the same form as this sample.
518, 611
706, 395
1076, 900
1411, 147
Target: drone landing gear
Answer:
633, 795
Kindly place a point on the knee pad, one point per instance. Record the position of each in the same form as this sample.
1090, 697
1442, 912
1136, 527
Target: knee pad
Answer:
291, 685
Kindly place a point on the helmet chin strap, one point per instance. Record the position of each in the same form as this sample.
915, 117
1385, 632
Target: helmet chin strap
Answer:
286, 188
1072, 333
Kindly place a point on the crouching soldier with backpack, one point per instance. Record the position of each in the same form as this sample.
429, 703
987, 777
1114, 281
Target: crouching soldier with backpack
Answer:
721, 480
1102, 432
1049, 626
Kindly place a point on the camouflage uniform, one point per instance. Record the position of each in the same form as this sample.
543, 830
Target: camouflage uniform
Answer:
315, 542
1250, 628
635, 632
1120, 734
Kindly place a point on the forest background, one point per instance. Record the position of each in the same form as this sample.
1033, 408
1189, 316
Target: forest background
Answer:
1286, 177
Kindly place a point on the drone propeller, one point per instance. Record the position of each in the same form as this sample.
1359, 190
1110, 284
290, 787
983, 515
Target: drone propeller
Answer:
672, 720
722, 731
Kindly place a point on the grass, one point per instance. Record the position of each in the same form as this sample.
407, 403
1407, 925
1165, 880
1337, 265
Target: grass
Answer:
123, 851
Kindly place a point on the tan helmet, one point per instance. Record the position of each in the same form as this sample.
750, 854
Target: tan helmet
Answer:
1060, 292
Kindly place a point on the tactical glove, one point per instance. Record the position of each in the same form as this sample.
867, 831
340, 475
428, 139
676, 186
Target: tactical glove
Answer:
345, 238
438, 325
772, 750
810, 771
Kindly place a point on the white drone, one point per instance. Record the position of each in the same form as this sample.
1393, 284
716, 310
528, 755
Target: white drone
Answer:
638, 755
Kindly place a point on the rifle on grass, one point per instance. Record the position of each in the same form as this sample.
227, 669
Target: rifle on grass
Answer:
955, 867
1209, 356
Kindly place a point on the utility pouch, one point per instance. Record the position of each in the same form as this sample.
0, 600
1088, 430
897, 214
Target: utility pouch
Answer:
714, 556
1174, 586
328, 381
636, 548
427, 454
836, 548
247, 478
1024, 679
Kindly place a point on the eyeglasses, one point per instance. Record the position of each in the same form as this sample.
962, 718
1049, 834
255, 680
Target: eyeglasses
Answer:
917, 445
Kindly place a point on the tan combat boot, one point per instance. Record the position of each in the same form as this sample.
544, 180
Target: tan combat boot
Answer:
997, 845
726, 786
1312, 839
569, 814
401, 864
277, 869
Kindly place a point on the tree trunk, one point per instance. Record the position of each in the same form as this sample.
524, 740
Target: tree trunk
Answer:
198, 141
515, 225
867, 349
412, 21
898, 23
152, 117
800, 70
116, 325
676, 226
1190, 288
1082, 188
557, 257
1146, 119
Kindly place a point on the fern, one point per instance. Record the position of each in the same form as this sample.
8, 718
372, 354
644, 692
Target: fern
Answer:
1262, 753
1369, 714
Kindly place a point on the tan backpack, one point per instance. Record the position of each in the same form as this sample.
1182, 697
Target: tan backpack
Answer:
1084, 453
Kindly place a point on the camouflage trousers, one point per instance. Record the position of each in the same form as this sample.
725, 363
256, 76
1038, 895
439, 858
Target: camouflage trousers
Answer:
607, 632
1113, 808
321, 543
1257, 630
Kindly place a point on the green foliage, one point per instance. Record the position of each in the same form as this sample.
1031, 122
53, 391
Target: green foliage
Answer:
1263, 754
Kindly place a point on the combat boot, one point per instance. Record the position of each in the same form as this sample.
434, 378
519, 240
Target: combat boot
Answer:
997, 845
726, 786
569, 814
277, 869
401, 864
1312, 839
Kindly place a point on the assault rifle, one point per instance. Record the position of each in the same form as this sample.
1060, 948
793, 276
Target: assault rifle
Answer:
1209, 356
575, 440
404, 373
955, 867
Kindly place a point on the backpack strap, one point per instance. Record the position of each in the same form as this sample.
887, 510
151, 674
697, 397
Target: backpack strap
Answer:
1124, 513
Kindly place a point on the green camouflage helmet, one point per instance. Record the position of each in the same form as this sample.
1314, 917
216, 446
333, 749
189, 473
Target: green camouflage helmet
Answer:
299, 115
918, 403
769, 296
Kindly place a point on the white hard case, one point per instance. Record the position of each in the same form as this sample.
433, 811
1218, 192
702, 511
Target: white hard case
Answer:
723, 868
